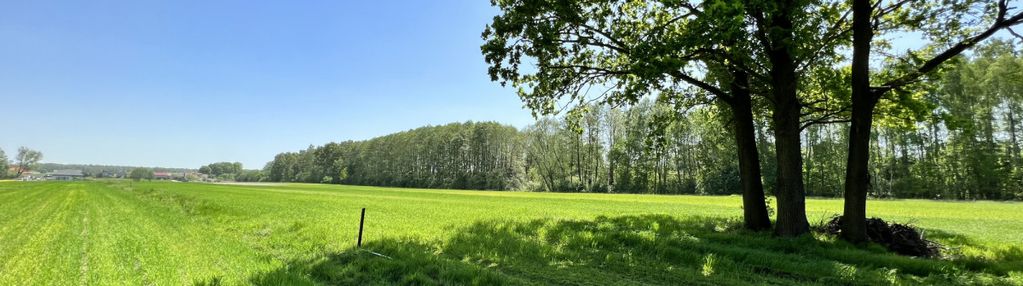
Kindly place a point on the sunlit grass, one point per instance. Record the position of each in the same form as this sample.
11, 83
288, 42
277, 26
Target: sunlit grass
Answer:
120, 232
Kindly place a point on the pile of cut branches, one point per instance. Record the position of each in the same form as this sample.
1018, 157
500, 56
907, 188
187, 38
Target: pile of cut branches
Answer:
903, 239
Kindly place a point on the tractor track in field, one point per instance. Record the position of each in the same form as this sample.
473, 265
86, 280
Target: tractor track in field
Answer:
83, 268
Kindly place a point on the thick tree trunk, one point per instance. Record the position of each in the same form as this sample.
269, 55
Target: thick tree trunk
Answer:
857, 176
789, 190
753, 201
787, 110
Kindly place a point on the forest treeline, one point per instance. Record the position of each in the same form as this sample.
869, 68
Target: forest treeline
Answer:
471, 155
959, 141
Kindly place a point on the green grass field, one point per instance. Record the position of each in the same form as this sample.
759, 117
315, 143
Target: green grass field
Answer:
165, 233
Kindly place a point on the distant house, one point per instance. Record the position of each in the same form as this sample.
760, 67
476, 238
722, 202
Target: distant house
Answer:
162, 176
65, 175
29, 175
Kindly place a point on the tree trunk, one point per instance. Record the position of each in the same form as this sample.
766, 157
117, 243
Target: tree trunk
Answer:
579, 161
857, 176
753, 202
611, 160
808, 161
789, 189
1014, 149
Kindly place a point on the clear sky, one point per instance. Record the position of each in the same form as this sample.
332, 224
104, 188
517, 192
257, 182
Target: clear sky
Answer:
184, 83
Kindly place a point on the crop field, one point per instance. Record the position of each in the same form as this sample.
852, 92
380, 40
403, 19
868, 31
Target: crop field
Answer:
166, 233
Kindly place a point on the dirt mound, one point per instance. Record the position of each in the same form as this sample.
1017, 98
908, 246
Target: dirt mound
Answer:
899, 238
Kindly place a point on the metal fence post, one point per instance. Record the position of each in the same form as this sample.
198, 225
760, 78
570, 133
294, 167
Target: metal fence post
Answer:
362, 219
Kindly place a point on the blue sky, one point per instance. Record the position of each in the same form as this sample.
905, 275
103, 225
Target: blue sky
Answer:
185, 83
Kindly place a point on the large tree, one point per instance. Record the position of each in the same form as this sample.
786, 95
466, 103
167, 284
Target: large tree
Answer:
953, 27
27, 159
724, 50
629, 49
776, 30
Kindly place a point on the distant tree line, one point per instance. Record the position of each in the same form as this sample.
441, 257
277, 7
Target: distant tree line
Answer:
104, 171
471, 155
221, 168
232, 171
960, 143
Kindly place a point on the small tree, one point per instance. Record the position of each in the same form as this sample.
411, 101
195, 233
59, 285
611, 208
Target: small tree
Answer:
4, 164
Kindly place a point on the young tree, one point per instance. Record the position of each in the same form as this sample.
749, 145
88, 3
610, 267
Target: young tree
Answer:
27, 159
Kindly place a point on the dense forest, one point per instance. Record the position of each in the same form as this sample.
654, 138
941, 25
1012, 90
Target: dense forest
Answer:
461, 156
956, 140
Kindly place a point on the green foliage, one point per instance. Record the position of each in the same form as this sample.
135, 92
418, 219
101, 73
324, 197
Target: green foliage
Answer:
614, 52
138, 174
27, 159
116, 232
4, 164
221, 168
609, 150
961, 144
225, 177
955, 138
471, 155
967, 147
251, 176
232, 171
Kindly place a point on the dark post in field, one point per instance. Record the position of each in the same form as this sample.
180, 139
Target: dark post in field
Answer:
362, 219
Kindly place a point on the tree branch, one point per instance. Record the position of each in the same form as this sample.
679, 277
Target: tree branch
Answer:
827, 40
1000, 23
698, 83
822, 121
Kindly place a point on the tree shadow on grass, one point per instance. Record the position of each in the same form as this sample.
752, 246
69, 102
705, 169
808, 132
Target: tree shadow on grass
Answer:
632, 250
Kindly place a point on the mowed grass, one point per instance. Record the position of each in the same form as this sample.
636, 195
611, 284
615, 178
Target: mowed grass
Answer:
165, 233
